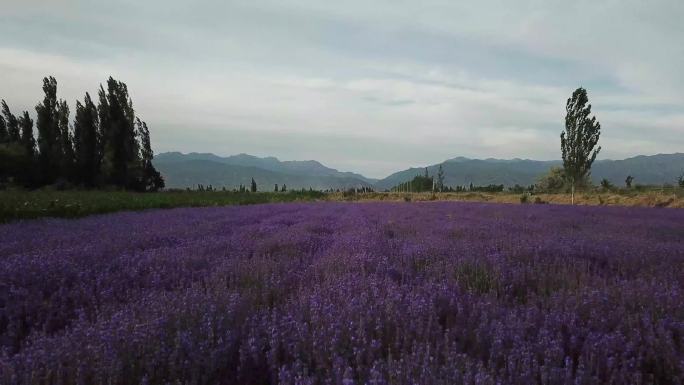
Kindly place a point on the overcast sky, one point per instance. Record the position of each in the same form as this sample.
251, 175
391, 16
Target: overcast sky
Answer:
365, 86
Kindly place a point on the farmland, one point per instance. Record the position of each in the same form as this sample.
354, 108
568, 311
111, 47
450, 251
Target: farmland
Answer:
346, 293
21, 204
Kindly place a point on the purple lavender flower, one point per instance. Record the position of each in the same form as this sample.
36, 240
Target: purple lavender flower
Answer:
337, 293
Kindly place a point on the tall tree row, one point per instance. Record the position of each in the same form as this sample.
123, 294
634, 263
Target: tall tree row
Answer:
15, 154
66, 140
87, 138
49, 145
151, 178
107, 145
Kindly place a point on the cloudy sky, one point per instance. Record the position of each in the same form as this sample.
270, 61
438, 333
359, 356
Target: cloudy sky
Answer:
365, 86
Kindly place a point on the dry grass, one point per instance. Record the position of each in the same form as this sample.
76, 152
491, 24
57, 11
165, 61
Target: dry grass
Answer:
644, 199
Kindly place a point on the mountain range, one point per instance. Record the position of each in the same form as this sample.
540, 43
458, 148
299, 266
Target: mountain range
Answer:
188, 170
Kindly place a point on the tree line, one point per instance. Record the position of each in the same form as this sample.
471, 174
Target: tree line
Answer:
106, 144
428, 183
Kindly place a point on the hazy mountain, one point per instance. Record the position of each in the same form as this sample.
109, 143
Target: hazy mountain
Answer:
655, 169
188, 170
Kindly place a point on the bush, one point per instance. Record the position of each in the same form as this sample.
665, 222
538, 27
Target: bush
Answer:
555, 182
524, 198
606, 185
521, 189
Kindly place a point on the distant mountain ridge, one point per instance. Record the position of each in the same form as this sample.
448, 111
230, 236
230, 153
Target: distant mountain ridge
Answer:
188, 170
460, 171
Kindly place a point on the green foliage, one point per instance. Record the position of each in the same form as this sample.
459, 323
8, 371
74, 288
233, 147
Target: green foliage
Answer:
11, 124
628, 181
555, 182
680, 181
49, 145
19, 204
87, 142
66, 138
106, 146
552, 182
150, 179
606, 185
420, 183
16, 154
440, 179
28, 176
13, 161
121, 150
579, 140
4, 136
487, 188
518, 189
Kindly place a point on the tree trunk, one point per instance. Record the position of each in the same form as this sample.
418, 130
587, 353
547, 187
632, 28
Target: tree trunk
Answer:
572, 193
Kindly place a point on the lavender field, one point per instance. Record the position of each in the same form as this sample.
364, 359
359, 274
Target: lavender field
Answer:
355, 293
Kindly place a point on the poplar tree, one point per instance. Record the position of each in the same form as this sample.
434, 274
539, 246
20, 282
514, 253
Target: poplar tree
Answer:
48, 132
14, 162
579, 140
87, 142
103, 122
28, 142
120, 156
67, 164
12, 124
151, 178
4, 156
440, 178
106, 143
4, 137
